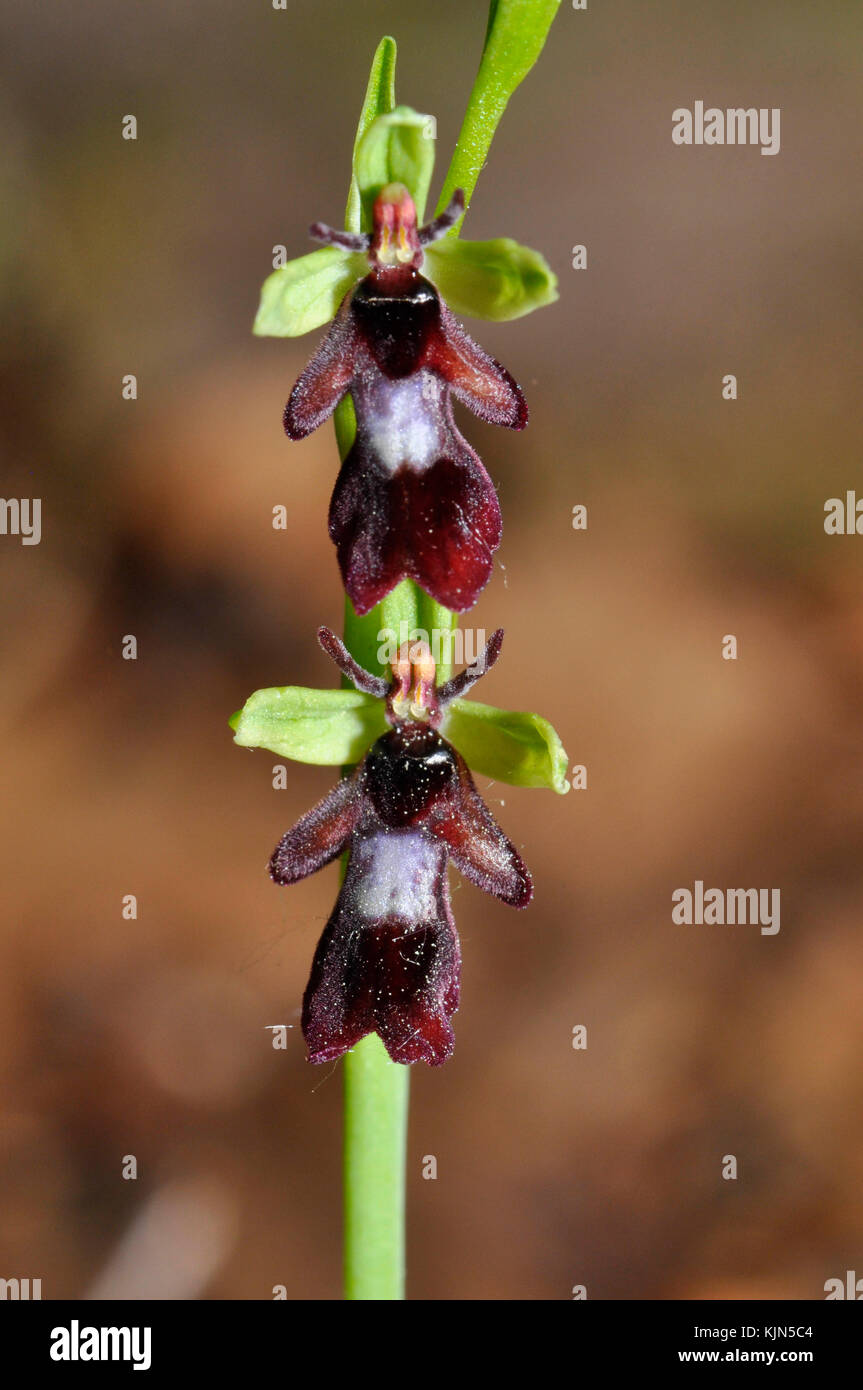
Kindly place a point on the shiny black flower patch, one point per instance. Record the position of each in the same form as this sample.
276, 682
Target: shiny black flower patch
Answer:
412, 498
389, 959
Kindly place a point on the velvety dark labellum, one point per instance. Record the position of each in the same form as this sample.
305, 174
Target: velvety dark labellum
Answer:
396, 324
408, 771
389, 959
412, 498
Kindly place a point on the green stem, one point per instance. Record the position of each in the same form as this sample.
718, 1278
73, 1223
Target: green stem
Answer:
376, 1116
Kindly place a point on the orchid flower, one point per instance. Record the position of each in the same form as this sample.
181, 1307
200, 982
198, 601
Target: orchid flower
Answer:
412, 499
389, 959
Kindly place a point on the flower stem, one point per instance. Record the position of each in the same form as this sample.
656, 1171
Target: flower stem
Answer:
376, 1115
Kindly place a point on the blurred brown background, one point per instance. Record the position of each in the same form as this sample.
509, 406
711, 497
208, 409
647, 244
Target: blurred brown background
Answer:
146, 1037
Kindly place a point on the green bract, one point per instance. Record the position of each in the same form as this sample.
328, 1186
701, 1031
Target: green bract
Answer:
337, 728
514, 38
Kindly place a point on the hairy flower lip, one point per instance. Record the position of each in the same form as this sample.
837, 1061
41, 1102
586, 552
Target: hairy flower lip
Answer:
399, 981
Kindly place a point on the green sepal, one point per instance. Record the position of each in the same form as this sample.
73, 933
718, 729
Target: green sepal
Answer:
496, 280
380, 99
306, 293
396, 148
511, 746
328, 727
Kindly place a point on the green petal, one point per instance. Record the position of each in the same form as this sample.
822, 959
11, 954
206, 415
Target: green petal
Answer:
379, 101
398, 148
306, 293
331, 727
491, 279
521, 749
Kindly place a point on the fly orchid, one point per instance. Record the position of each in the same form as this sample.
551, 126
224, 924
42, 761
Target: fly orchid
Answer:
416, 522
389, 959
412, 498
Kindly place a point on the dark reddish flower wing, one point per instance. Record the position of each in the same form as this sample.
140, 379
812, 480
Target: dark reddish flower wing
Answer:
475, 378
478, 847
321, 835
327, 377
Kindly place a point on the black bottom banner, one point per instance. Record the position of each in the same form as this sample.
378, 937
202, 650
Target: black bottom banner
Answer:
82, 1339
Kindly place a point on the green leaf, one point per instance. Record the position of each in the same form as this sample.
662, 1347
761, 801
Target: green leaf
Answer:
379, 101
306, 293
331, 727
491, 279
521, 749
516, 33
398, 148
